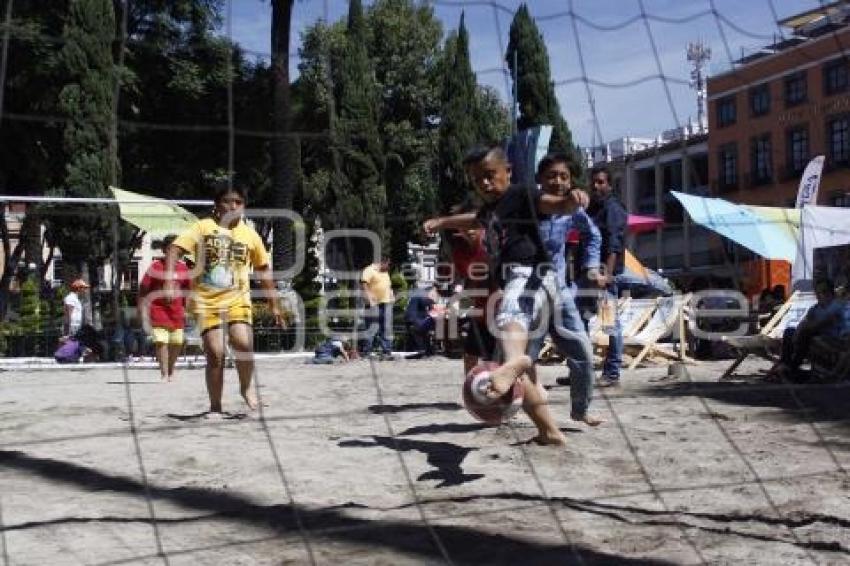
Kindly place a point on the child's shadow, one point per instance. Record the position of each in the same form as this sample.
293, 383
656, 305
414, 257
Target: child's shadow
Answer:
533, 441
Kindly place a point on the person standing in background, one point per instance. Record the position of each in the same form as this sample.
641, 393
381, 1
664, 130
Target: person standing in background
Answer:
610, 216
377, 287
72, 317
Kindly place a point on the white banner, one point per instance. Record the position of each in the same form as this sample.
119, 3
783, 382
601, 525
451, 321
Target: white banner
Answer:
809, 183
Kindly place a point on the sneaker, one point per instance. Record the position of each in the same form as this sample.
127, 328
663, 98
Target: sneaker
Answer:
608, 381
386, 357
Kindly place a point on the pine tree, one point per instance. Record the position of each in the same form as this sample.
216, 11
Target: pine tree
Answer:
87, 101
458, 128
360, 194
535, 91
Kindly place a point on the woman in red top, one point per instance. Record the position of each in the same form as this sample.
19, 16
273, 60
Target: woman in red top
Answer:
164, 318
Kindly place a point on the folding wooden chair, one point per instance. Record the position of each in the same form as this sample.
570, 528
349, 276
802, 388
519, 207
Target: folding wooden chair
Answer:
669, 312
769, 339
633, 315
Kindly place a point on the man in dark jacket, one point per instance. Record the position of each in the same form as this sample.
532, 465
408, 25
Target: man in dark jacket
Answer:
610, 216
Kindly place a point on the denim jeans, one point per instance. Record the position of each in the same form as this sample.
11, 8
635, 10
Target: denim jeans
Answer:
378, 319
567, 330
587, 302
614, 356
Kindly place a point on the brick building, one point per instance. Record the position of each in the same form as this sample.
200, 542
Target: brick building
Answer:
779, 107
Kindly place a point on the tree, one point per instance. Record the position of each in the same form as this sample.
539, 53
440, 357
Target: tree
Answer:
528, 60
32, 157
176, 77
285, 150
360, 160
405, 50
87, 101
458, 128
493, 118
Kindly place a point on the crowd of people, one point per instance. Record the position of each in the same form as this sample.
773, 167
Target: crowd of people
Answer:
512, 270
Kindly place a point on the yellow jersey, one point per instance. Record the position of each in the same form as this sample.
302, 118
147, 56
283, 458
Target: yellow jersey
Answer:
224, 258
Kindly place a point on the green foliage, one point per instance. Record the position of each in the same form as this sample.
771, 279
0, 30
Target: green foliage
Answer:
469, 115
535, 91
400, 287
31, 310
457, 118
494, 120
32, 150
405, 48
87, 102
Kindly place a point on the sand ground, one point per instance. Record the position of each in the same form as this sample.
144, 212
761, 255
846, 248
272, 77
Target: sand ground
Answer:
378, 463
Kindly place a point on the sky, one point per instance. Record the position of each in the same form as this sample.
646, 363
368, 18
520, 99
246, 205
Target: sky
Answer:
605, 41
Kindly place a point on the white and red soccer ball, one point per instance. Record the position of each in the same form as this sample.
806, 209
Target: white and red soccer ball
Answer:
483, 408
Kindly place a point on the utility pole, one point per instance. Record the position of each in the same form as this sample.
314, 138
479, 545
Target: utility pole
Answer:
699, 54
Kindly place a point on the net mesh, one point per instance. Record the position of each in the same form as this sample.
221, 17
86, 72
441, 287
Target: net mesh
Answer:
310, 524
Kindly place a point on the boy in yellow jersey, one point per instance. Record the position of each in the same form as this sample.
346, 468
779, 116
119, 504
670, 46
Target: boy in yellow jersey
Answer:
225, 250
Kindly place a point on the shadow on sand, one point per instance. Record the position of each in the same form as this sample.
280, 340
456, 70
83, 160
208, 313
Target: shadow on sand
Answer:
462, 544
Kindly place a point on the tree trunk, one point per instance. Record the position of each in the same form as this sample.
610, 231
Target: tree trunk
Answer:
284, 154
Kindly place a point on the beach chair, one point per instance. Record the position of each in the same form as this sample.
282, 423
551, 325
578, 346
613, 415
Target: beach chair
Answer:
633, 315
768, 341
669, 312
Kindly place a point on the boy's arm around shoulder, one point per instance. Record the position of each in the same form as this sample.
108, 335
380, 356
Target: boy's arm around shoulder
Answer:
567, 204
465, 221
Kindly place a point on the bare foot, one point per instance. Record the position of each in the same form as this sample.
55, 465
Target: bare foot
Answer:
503, 378
550, 439
589, 420
249, 398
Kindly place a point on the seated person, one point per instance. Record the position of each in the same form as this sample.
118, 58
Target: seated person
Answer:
770, 301
825, 318
70, 350
332, 348
419, 317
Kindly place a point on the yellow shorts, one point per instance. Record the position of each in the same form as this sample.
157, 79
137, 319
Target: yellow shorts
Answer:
209, 319
162, 335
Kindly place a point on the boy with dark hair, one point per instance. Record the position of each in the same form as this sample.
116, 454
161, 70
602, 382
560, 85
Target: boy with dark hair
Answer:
610, 216
565, 323
519, 265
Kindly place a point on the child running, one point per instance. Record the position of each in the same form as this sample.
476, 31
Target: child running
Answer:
226, 248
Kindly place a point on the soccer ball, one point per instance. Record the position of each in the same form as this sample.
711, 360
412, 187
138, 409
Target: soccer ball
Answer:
490, 411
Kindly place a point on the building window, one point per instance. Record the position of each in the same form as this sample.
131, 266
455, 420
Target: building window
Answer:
728, 160
760, 163
838, 134
797, 150
835, 77
795, 89
760, 100
726, 114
